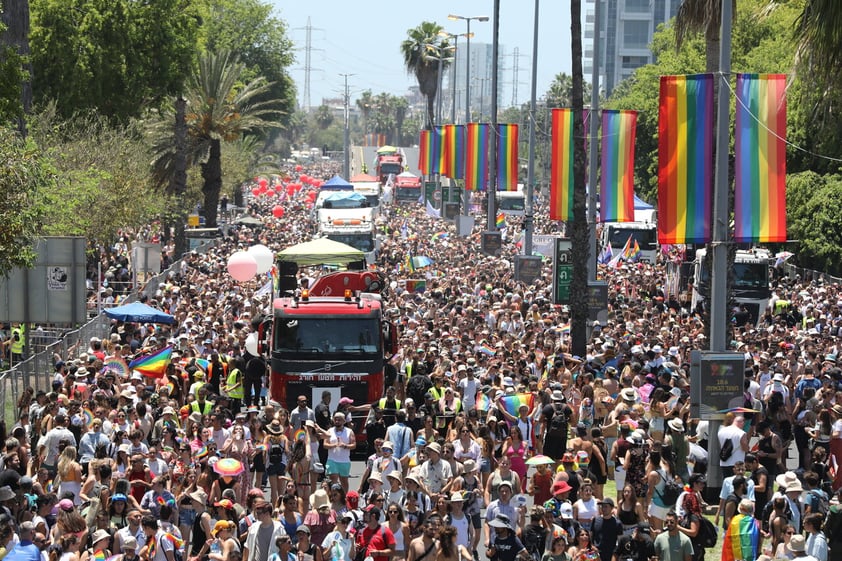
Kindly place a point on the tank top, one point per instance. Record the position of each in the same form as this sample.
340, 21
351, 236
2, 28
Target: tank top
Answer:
290, 527
399, 545
627, 517
472, 505
199, 536
497, 480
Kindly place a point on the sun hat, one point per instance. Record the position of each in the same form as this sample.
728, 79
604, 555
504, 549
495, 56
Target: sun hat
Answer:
676, 424
129, 542
199, 496
274, 428
560, 487
797, 544
435, 447
501, 521
319, 499
222, 525
100, 535
457, 497
469, 466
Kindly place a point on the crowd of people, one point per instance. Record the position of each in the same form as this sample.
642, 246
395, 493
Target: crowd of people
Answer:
201, 465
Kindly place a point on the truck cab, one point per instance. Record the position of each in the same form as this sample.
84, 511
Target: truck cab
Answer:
407, 188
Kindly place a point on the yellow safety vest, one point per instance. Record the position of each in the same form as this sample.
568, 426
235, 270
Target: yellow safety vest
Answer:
17, 345
382, 403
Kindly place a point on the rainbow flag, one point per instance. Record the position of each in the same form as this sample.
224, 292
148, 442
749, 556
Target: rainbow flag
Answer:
742, 539
483, 402
760, 156
416, 285
476, 157
99, 555
507, 164
408, 266
512, 403
154, 365
454, 151
561, 172
500, 221
634, 254
424, 153
616, 185
439, 236
685, 159
438, 163
486, 350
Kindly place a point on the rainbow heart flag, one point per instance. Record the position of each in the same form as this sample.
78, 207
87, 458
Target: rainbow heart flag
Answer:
512, 403
153, 365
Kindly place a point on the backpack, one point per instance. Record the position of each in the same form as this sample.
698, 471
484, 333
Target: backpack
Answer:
534, 537
818, 502
707, 536
558, 422
672, 490
726, 451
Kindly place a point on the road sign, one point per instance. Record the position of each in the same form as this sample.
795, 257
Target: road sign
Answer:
562, 270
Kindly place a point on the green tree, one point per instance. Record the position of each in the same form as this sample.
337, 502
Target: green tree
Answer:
221, 108
24, 176
423, 51
365, 103
401, 107
15, 70
701, 16
812, 218
260, 41
113, 55
323, 117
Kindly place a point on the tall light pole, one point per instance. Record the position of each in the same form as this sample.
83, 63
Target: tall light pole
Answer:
530, 166
467, 19
346, 168
455, 37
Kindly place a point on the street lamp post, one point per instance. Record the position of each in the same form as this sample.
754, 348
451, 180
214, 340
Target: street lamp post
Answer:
467, 19
455, 37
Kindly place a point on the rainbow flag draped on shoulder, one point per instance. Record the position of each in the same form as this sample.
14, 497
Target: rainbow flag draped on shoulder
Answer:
511, 403
153, 365
742, 539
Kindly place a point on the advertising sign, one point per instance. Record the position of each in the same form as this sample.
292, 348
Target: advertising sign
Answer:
716, 382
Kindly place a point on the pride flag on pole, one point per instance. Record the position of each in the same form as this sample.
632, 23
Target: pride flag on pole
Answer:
561, 172
616, 186
500, 221
424, 152
476, 157
153, 365
685, 159
438, 163
760, 156
507, 164
742, 539
454, 137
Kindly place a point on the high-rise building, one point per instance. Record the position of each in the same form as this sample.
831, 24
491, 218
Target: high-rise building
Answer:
627, 29
454, 83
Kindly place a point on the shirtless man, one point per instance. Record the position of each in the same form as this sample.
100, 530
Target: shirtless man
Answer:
421, 547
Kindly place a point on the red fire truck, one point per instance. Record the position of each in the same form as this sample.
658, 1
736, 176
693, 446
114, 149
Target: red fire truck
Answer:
389, 164
331, 337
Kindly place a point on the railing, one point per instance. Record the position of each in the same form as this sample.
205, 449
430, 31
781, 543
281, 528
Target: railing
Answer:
46, 347
808, 274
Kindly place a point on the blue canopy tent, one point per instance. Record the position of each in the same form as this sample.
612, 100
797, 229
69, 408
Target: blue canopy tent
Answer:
137, 312
336, 183
640, 204
345, 195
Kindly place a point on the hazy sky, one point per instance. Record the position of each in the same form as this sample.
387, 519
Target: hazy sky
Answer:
362, 37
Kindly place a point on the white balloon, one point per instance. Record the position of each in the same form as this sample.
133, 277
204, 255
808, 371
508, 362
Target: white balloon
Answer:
264, 257
251, 344
242, 266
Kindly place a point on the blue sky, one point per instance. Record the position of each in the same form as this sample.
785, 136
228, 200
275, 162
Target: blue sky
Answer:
362, 37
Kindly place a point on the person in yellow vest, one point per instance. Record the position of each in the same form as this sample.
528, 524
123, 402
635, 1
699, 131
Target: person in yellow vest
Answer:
389, 405
16, 343
201, 404
234, 384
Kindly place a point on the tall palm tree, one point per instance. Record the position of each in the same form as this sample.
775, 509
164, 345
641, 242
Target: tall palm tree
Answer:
220, 108
579, 233
819, 34
701, 16
365, 103
423, 52
401, 105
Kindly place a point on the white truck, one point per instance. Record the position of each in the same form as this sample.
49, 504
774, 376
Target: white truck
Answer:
750, 286
351, 226
512, 203
369, 187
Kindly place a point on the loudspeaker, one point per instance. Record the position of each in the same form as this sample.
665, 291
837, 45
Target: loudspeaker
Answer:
356, 265
287, 268
451, 210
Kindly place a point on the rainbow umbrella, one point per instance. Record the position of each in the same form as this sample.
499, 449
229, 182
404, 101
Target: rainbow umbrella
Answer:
228, 467
116, 365
539, 460
739, 410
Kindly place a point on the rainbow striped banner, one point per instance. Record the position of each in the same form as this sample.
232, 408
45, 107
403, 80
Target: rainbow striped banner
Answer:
153, 365
685, 159
438, 163
507, 166
476, 156
512, 403
742, 539
483, 402
500, 221
760, 155
616, 185
561, 167
454, 152
424, 154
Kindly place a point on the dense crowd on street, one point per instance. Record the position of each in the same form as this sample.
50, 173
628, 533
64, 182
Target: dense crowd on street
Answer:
201, 465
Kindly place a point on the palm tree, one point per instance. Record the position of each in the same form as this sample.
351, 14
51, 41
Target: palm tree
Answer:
220, 107
819, 34
365, 103
579, 233
401, 105
701, 16
323, 117
423, 54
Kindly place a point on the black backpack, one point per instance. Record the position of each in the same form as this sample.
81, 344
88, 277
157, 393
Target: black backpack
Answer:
672, 490
558, 422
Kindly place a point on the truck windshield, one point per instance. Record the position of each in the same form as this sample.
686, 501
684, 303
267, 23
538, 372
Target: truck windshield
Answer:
618, 236
408, 192
333, 335
363, 242
751, 275
511, 203
387, 168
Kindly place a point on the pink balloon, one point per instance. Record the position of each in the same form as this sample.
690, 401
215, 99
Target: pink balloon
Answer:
278, 211
242, 266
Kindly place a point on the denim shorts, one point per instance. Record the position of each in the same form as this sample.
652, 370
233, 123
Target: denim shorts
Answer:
186, 517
